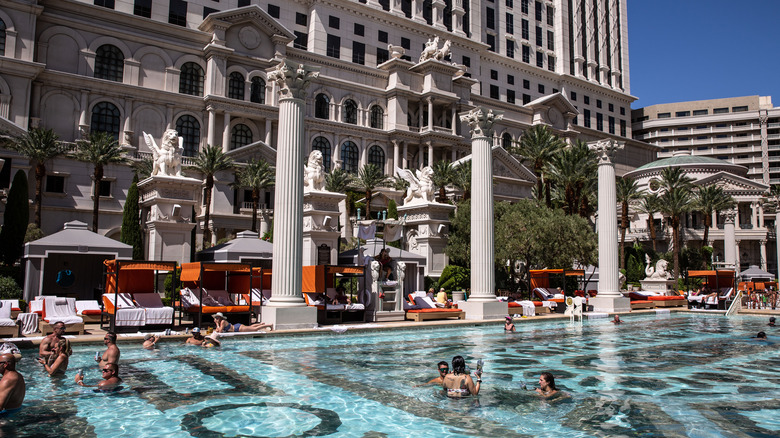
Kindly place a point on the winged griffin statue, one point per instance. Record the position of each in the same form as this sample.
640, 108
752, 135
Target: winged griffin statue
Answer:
166, 159
420, 186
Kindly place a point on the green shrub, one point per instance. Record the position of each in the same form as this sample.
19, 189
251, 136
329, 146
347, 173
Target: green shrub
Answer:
455, 278
9, 290
33, 233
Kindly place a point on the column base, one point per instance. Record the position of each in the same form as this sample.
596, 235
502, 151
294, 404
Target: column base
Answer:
484, 309
290, 318
610, 304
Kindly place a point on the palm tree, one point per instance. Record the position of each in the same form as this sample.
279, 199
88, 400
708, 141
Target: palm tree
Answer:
369, 178
675, 201
38, 145
573, 171
649, 205
461, 178
257, 175
100, 150
442, 175
208, 162
537, 147
711, 199
627, 191
337, 180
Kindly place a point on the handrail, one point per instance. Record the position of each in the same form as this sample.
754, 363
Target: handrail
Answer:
736, 305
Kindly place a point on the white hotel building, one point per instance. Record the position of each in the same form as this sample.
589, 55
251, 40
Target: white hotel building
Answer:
200, 66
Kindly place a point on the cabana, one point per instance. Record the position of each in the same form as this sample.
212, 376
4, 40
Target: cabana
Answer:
321, 279
247, 247
69, 263
216, 287
721, 282
541, 285
132, 284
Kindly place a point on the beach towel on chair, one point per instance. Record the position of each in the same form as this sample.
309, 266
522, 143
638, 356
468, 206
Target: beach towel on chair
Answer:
60, 309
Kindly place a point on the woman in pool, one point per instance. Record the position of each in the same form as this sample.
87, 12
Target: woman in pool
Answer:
509, 325
547, 385
458, 383
223, 326
57, 362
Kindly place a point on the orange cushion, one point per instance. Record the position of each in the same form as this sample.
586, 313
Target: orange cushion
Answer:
641, 301
207, 309
432, 310
665, 298
91, 312
514, 304
237, 309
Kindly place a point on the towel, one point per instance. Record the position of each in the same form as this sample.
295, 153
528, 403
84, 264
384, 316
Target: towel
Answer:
529, 308
367, 232
393, 233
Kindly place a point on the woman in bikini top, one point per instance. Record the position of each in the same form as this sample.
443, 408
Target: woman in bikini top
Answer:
458, 383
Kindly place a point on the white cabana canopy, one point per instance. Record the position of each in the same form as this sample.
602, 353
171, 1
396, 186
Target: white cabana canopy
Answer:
755, 273
245, 248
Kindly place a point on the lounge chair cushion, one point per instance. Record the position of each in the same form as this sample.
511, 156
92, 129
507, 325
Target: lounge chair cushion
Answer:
88, 307
422, 303
61, 309
156, 313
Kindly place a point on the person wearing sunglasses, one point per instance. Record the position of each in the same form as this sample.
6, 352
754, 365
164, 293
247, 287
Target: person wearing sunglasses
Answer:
12, 387
443, 368
50, 341
110, 374
111, 355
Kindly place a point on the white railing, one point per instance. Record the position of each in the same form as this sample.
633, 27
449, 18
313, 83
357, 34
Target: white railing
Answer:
736, 305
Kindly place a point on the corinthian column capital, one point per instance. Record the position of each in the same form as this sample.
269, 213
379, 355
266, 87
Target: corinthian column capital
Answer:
293, 78
605, 149
481, 121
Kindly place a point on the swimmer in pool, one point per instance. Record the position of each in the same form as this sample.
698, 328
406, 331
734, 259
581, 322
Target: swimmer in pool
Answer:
223, 326
761, 335
458, 383
197, 337
617, 320
509, 325
57, 362
547, 385
111, 380
211, 341
12, 386
150, 341
443, 368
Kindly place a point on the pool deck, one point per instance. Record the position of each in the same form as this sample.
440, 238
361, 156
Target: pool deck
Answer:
94, 334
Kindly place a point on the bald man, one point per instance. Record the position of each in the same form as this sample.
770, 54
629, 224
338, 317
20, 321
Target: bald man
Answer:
12, 387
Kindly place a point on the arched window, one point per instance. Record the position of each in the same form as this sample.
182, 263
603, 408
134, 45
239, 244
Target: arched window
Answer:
240, 136
2, 37
236, 86
377, 117
349, 155
191, 79
323, 145
105, 118
350, 112
258, 90
322, 106
376, 156
506, 140
109, 63
189, 128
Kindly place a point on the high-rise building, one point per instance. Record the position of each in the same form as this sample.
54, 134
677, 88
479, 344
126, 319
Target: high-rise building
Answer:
200, 67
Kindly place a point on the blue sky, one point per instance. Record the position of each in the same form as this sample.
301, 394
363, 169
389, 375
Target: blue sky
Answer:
682, 50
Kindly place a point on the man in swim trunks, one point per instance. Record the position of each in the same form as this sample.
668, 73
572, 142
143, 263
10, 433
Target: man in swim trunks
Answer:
12, 387
111, 380
111, 355
223, 326
48, 343
197, 337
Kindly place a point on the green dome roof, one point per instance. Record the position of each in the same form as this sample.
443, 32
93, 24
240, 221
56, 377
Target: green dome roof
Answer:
682, 160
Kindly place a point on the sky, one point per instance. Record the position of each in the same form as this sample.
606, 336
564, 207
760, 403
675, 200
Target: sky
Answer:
681, 50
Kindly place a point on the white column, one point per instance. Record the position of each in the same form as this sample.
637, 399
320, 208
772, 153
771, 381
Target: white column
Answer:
211, 135
404, 162
292, 79
482, 303
760, 216
777, 238
268, 131
738, 262
579, 59
609, 298
430, 153
457, 17
395, 156
729, 238
762, 242
83, 117
226, 133
754, 214
430, 114
737, 219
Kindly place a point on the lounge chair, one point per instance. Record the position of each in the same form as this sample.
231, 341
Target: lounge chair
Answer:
89, 310
156, 312
8, 327
36, 305
127, 313
421, 310
550, 295
56, 309
15, 309
640, 300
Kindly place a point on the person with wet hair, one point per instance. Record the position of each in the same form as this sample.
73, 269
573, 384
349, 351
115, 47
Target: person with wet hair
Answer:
443, 368
458, 383
50, 341
509, 325
547, 385
150, 341
111, 355
761, 335
12, 386
772, 321
57, 362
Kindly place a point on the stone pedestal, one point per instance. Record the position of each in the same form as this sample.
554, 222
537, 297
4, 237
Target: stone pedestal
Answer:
729, 239
290, 318
320, 227
609, 298
168, 203
484, 309
427, 228
657, 285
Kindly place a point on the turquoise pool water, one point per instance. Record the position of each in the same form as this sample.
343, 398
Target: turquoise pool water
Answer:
688, 375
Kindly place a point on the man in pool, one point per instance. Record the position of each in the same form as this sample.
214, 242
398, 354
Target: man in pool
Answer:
196, 339
223, 326
617, 320
761, 335
48, 343
111, 355
150, 341
443, 368
12, 387
111, 380
772, 321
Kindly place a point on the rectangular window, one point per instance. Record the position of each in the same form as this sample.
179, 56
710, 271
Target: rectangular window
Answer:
490, 18
301, 40
55, 184
177, 13
700, 112
611, 124
598, 103
599, 121
526, 84
510, 96
611, 108
105, 189
510, 49
720, 111
206, 12
682, 114
491, 41
551, 64
105, 3
586, 118
510, 79
509, 3
540, 88
143, 8
550, 16
539, 38
510, 23
540, 59
524, 6
406, 43
538, 10
382, 36
550, 40
494, 92
622, 111
494, 74
242, 3
701, 127
334, 46
573, 95
382, 55
334, 22
360, 30
525, 30
301, 19
5, 174
664, 115
358, 53
739, 109
526, 99
273, 10
466, 61
622, 128
586, 100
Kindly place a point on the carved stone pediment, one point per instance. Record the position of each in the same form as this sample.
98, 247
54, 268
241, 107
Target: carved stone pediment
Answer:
733, 184
555, 110
248, 30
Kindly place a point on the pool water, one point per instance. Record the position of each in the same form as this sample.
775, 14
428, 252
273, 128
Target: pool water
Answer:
656, 375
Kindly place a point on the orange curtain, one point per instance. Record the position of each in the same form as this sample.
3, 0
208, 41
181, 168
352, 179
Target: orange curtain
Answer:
313, 279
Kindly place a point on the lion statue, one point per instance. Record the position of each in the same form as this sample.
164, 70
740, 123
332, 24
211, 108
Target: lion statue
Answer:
420, 186
314, 173
659, 272
166, 159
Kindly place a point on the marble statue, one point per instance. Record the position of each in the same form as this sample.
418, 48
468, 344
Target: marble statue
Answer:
659, 272
396, 51
444, 52
432, 50
420, 186
375, 266
314, 173
166, 159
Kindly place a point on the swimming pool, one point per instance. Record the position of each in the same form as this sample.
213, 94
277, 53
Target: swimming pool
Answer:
679, 375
